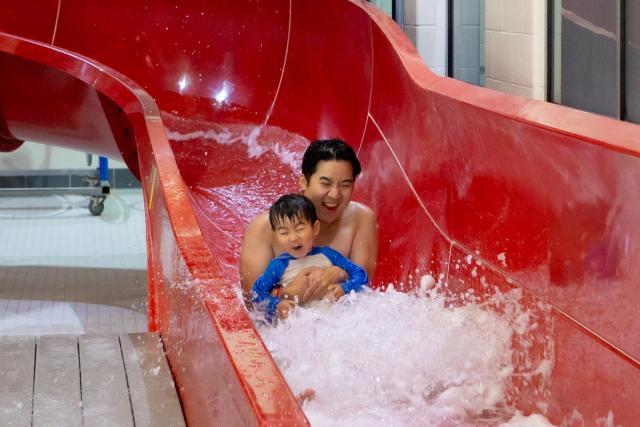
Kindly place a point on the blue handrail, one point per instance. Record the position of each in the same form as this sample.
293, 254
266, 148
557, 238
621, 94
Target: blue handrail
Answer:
104, 169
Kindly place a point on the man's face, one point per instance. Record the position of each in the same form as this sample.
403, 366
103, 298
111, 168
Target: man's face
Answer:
296, 236
329, 188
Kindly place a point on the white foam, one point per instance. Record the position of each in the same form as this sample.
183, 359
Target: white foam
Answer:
502, 257
397, 359
474, 272
427, 282
607, 421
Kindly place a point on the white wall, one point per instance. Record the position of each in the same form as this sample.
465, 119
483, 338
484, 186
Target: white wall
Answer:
515, 47
425, 23
32, 156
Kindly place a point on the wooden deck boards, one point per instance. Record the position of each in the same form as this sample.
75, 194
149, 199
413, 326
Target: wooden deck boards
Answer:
90, 380
105, 400
17, 356
151, 386
56, 396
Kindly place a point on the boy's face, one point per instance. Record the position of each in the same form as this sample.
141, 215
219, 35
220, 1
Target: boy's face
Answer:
329, 188
296, 237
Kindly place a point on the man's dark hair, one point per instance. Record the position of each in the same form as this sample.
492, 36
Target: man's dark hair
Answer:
294, 207
328, 149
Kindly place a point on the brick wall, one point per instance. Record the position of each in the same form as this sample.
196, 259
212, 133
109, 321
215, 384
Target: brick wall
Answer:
515, 47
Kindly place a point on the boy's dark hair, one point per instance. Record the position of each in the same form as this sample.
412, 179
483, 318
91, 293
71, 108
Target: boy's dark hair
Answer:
292, 206
328, 149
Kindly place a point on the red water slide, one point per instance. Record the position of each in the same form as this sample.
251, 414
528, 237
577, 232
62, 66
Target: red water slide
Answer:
211, 103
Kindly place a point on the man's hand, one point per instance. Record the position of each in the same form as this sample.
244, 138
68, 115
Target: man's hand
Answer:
334, 292
297, 287
319, 281
284, 308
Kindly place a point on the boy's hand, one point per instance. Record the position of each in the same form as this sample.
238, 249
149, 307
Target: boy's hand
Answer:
334, 292
307, 395
284, 307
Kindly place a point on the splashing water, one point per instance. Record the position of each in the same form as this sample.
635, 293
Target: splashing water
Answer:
287, 147
398, 359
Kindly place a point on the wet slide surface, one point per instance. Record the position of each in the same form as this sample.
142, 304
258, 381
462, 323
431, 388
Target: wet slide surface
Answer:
212, 104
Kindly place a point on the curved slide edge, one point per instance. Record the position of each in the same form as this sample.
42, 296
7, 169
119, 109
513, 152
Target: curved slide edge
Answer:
223, 372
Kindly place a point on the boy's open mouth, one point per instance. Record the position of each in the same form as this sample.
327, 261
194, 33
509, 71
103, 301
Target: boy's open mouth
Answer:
296, 247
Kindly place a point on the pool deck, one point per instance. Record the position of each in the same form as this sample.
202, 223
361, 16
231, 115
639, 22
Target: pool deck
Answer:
86, 380
73, 344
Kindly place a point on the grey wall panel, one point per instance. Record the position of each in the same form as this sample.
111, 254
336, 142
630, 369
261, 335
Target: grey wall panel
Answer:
632, 89
590, 56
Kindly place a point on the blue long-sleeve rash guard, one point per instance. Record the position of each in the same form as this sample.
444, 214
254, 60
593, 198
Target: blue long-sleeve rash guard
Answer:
261, 290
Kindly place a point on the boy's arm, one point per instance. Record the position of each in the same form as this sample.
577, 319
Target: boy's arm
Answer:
261, 291
256, 252
357, 275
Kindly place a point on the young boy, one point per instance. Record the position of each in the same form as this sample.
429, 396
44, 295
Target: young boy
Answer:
295, 225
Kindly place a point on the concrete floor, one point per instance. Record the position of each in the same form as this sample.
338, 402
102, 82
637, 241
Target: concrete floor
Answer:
64, 271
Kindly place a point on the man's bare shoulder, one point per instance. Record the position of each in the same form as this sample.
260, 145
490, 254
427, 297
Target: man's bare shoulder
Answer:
360, 212
259, 227
256, 250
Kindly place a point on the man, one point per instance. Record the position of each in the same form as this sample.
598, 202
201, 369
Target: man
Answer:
329, 171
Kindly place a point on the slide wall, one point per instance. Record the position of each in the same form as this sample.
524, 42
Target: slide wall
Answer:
212, 103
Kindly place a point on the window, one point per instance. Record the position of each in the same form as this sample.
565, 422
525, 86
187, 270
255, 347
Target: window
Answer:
594, 56
466, 41
632, 61
386, 6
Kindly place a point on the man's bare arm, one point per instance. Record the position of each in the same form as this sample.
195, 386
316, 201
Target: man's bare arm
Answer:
364, 250
256, 252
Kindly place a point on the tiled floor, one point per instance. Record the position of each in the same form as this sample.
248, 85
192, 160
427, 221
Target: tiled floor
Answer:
64, 271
